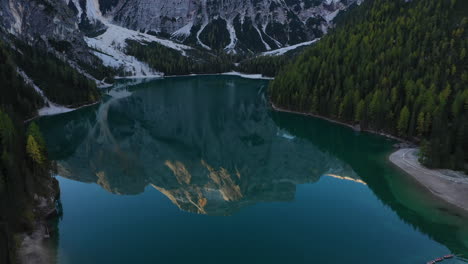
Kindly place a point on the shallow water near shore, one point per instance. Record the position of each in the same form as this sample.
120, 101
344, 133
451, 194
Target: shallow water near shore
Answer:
200, 170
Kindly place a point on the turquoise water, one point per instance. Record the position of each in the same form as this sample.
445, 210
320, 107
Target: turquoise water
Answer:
200, 170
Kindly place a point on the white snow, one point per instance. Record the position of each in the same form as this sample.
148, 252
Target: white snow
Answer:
276, 41
285, 135
233, 73
93, 10
205, 23
261, 38
183, 31
282, 51
198, 36
232, 35
247, 76
18, 22
329, 17
54, 109
112, 45
50, 108
78, 7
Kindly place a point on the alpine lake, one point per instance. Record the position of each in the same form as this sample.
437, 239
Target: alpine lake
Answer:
200, 169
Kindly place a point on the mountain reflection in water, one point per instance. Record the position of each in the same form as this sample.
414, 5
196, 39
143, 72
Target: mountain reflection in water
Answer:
211, 146
209, 150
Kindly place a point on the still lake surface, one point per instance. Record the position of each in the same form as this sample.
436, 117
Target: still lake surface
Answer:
200, 170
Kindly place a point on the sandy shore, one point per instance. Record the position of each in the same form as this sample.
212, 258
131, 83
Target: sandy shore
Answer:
447, 185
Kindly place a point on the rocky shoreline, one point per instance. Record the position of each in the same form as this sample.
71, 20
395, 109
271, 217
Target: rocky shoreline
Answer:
37, 246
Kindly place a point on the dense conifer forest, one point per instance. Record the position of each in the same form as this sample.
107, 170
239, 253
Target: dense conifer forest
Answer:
24, 176
171, 62
17, 97
399, 67
61, 83
24, 165
268, 66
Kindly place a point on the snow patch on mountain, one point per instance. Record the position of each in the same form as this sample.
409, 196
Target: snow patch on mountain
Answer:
111, 46
16, 26
261, 38
247, 75
329, 17
232, 35
205, 23
276, 41
278, 52
50, 108
93, 10
183, 31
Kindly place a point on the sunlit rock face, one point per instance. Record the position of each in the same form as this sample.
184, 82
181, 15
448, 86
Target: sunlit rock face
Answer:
208, 144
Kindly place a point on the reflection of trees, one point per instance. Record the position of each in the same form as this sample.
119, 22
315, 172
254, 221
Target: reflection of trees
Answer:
209, 149
413, 205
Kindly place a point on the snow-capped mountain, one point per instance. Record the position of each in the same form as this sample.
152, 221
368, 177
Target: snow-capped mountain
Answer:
95, 32
247, 25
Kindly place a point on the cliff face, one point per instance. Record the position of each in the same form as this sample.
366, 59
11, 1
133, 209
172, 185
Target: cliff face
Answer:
49, 24
253, 25
92, 33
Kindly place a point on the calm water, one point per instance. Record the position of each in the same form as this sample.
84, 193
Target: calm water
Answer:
199, 170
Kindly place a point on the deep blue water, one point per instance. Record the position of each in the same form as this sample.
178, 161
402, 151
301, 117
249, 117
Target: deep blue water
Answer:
200, 170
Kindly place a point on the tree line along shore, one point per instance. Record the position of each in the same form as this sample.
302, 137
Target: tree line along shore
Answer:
393, 66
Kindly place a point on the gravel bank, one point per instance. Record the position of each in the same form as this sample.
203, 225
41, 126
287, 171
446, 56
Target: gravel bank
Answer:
447, 185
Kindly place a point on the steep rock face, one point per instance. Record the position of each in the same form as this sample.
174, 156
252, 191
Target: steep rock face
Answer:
249, 25
46, 23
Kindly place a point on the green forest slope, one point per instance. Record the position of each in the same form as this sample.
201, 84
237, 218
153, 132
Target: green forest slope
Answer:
24, 165
394, 66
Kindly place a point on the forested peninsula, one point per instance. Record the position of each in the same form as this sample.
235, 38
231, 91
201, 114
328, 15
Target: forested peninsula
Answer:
398, 67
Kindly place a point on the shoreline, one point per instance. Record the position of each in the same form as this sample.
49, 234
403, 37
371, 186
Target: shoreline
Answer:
36, 244
280, 109
66, 109
255, 76
448, 186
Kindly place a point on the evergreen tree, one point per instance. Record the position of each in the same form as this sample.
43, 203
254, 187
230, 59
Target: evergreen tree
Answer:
403, 121
34, 150
394, 66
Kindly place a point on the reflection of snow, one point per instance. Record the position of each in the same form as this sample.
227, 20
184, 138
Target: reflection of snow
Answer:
119, 93
205, 161
101, 128
285, 135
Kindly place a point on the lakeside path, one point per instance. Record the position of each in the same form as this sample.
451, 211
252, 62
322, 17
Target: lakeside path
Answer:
447, 185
